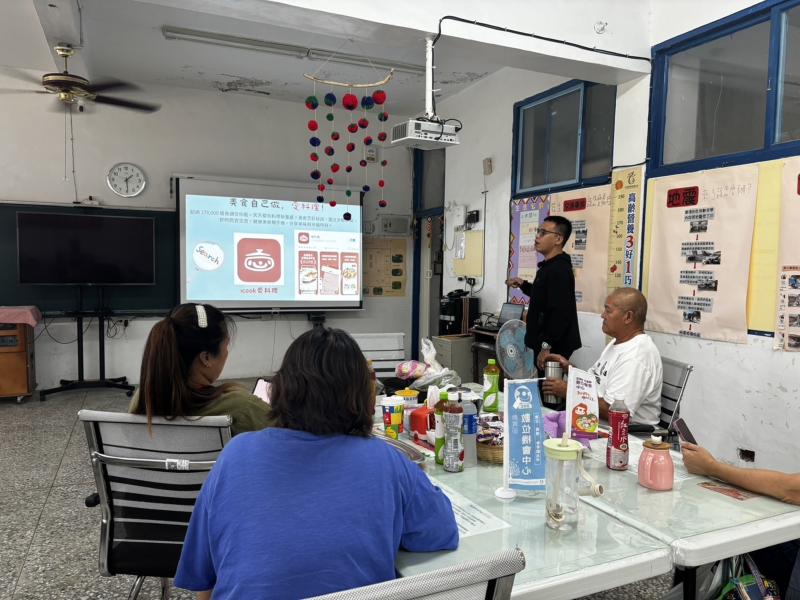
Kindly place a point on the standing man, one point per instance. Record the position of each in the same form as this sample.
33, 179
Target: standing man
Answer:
552, 314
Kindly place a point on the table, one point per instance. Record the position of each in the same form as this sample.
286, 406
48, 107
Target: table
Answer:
600, 554
698, 524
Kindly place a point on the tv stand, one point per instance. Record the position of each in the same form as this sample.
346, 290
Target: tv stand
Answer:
120, 383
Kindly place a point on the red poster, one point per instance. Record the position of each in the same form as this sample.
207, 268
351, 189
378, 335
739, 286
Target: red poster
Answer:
686, 196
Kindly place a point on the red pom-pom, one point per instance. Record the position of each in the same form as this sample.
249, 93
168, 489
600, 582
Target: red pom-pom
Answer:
350, 147
384, 162
329, 150
334, 135
382, 203
362, 162
321, 187
329, 180
381, 183
313, 125
379, 97
352, 127
363, 123
349, 101
348, 168
368, 141
314, 156
332, 202
382, 136
334, 167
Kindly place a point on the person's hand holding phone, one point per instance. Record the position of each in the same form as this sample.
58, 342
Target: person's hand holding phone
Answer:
697, 460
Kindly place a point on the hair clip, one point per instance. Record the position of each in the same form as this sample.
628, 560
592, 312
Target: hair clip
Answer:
202, 318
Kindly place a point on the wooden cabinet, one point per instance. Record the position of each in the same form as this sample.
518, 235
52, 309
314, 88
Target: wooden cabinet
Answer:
17, 375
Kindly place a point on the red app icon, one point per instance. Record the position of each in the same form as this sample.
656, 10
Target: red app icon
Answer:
302, 237
258, 260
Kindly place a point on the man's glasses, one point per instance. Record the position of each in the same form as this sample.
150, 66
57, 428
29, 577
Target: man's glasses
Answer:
541, 232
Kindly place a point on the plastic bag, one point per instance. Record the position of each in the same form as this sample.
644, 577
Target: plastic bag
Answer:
410, 369
429, 355
441, 379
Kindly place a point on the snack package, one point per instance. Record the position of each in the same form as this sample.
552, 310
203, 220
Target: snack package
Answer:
410, 369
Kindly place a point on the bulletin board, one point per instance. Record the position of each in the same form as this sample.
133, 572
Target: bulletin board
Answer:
385, 265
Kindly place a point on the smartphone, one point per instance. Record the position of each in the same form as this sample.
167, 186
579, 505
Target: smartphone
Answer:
683, 431
261, 389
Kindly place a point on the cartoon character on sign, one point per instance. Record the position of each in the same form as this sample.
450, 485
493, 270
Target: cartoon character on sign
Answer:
582, 420
523, 398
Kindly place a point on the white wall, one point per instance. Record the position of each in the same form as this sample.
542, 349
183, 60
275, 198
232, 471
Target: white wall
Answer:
739, 396
670, 18
194, 132
486, 109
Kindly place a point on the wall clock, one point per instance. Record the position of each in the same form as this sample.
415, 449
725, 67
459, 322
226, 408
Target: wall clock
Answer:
126, 179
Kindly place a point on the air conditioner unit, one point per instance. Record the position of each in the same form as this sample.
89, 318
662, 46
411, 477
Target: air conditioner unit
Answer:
425, 135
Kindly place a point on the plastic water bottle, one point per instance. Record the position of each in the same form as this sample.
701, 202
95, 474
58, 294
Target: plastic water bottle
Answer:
470, 433
491, 387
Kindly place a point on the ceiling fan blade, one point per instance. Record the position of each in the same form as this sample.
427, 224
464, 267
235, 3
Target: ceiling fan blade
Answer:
141, 106
22, 75
109, 84
7, 91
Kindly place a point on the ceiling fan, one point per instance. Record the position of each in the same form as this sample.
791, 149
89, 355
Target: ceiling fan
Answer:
75, 90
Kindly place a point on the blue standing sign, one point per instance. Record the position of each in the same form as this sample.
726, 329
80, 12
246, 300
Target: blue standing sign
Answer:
523, 453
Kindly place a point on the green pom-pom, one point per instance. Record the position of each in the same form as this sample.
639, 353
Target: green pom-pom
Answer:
348, 193
329, 116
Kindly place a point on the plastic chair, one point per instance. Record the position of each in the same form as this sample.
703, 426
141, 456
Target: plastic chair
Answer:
487, 578
147, 486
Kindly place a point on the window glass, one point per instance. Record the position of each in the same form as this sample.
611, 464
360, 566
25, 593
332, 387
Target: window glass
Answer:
549, 144
598, 144
789, 92
711, 88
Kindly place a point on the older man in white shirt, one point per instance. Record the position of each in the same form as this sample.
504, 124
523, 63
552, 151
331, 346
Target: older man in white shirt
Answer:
629, 367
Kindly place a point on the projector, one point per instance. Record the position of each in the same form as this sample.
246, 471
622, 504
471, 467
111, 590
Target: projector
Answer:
425, 135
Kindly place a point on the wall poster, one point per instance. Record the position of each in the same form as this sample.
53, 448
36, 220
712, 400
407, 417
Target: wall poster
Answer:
702, 232
527, 215
589, 211
787, 327
624, 235
384, 266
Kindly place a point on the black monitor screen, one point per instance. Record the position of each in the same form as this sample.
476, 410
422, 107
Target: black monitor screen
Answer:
510, 311
71, 249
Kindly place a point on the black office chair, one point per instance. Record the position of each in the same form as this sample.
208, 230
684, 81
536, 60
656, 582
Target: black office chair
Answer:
147, 486
674, 379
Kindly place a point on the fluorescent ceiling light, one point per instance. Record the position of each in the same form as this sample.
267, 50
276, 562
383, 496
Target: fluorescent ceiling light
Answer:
233, 41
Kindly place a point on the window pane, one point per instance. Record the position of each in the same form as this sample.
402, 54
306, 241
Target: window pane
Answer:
550, 141
717, 96
598, 130
789, 108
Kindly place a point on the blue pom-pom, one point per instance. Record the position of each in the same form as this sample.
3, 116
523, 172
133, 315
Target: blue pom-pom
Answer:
365, 188
314, 141
330, 99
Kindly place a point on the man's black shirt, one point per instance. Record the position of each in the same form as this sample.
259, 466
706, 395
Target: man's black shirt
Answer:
552, 314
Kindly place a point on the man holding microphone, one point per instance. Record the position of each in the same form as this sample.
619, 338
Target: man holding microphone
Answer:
552, 313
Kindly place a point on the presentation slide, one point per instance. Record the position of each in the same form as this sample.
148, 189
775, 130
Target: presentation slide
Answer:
265, 253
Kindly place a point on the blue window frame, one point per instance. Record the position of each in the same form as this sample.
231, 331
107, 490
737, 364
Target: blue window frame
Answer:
563, 138
760, 46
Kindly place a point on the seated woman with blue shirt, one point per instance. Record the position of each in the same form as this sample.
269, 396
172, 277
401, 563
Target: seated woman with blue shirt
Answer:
313, 504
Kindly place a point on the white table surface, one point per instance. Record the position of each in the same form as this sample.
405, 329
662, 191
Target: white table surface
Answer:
700, 525
600, 554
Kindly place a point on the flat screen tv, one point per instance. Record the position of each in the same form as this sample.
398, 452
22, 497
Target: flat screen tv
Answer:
79, 249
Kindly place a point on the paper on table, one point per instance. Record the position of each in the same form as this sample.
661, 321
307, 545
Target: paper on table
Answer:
471, 518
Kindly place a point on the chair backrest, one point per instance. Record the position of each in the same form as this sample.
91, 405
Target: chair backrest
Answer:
148, 485
385, 350
675, 376
487, 578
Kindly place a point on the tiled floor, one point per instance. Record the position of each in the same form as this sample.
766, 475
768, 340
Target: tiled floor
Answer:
49, 539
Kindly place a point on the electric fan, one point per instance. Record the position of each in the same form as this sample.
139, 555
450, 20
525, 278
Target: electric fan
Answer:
517, 360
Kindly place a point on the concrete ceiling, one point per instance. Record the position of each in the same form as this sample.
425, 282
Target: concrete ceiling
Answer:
123, 39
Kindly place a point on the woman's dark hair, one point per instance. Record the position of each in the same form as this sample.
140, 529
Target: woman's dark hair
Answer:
173, 344
324, 386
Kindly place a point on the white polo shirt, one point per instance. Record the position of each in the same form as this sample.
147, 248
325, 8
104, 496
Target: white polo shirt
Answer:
631, 371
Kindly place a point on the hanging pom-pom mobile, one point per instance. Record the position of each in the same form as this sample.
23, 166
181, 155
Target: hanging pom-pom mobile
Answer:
373, 95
